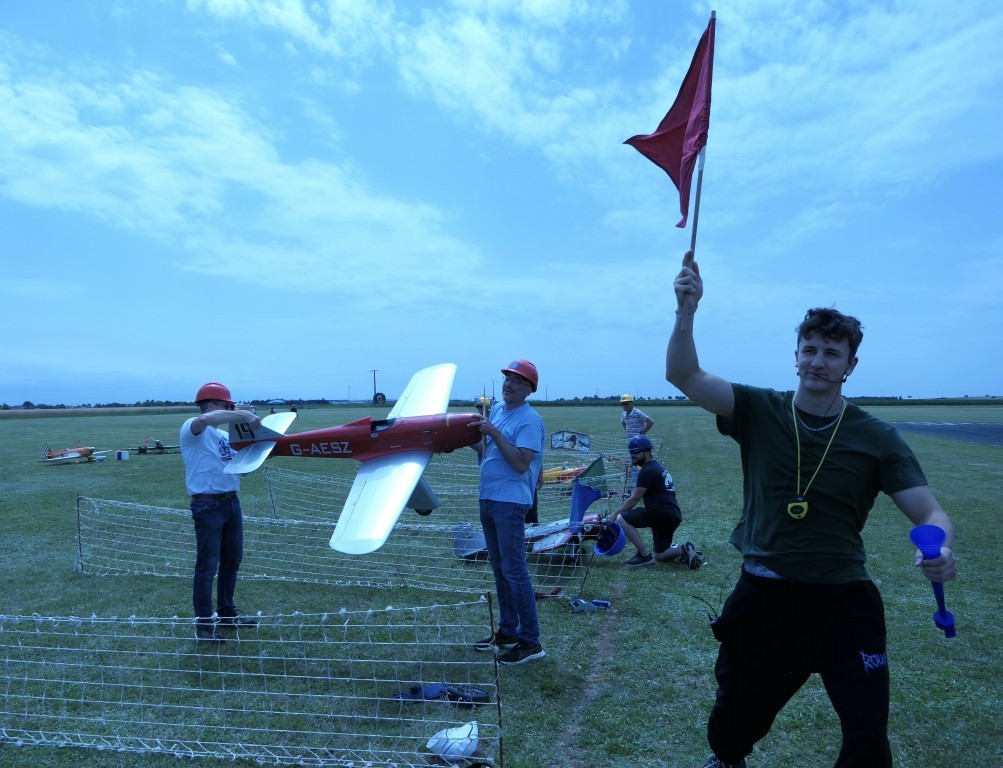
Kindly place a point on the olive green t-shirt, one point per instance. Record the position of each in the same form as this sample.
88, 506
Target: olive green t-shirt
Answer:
866, 456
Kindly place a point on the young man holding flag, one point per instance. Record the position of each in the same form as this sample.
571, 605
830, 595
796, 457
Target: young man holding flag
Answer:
813, 465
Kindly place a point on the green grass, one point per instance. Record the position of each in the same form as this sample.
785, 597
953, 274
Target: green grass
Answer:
629, 685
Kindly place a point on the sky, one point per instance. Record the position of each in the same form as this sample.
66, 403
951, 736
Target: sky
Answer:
287, 196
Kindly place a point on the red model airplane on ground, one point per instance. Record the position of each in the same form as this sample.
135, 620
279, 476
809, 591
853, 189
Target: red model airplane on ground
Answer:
393, 452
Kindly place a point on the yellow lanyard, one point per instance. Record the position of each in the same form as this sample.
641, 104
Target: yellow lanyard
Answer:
798, 507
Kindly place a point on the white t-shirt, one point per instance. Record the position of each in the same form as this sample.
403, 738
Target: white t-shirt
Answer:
634, 421
205, 455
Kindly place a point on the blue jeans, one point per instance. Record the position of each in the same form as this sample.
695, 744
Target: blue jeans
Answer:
219, 548
505, 536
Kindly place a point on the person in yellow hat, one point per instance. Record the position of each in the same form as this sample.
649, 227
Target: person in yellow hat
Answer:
633, 420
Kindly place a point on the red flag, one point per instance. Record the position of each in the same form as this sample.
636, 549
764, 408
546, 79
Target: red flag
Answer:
681, 135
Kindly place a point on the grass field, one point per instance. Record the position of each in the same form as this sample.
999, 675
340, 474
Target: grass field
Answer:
628, 686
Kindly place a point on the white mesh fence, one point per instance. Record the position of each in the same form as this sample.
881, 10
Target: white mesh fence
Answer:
342, 689
442, 552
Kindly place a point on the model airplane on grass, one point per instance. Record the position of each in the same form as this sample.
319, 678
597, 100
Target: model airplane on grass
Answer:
393, 452
469, 544
157, 447
74, 455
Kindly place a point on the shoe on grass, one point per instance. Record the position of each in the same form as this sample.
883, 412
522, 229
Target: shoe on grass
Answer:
690, 556
239, 619
496, 642
713, 762
206, 633
521, 653
640, 559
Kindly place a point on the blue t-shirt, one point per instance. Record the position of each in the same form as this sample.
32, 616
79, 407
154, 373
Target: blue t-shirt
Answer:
523, 428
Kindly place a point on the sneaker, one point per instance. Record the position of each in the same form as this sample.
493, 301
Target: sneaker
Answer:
206, 633
522, 652
690, 556
497, 642
239, 619
713, 762
640, 559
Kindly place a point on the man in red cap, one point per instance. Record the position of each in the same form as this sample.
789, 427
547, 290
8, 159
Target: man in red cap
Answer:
219, 525
511, 461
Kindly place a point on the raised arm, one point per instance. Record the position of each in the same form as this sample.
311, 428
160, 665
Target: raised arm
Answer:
682, 366
221, 416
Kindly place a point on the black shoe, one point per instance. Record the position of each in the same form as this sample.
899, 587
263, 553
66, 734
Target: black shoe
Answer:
713, 762
640, 559
690, 556
497, 642
206, 633
239, 619
522, 652
467, 695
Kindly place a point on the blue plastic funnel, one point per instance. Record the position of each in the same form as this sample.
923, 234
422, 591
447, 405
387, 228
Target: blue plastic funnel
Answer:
928, 540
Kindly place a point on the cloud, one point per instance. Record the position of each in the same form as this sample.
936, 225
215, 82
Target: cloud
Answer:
404, 182
835, 103
192, 167
225, 56
342, 29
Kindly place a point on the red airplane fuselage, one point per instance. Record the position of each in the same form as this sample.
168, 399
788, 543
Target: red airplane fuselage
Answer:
368, 439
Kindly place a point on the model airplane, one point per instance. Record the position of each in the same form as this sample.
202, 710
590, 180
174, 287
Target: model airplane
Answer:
74, 455
157, 447
561, 474
469, 544
393, 452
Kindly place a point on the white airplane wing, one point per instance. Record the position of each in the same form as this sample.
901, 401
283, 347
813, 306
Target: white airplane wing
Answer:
427, 393
379, 494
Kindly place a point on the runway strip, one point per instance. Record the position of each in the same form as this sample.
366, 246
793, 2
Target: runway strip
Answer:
969, 432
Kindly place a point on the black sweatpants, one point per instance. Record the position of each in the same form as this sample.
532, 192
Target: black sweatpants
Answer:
774, 634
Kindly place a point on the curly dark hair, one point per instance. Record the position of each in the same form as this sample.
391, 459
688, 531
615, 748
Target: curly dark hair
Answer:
832, 326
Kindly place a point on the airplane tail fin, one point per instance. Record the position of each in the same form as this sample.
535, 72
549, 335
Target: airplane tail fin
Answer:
258, 443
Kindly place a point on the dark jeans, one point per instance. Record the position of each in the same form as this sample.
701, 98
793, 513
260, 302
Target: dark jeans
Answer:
219, 548
504, 527
774, 634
